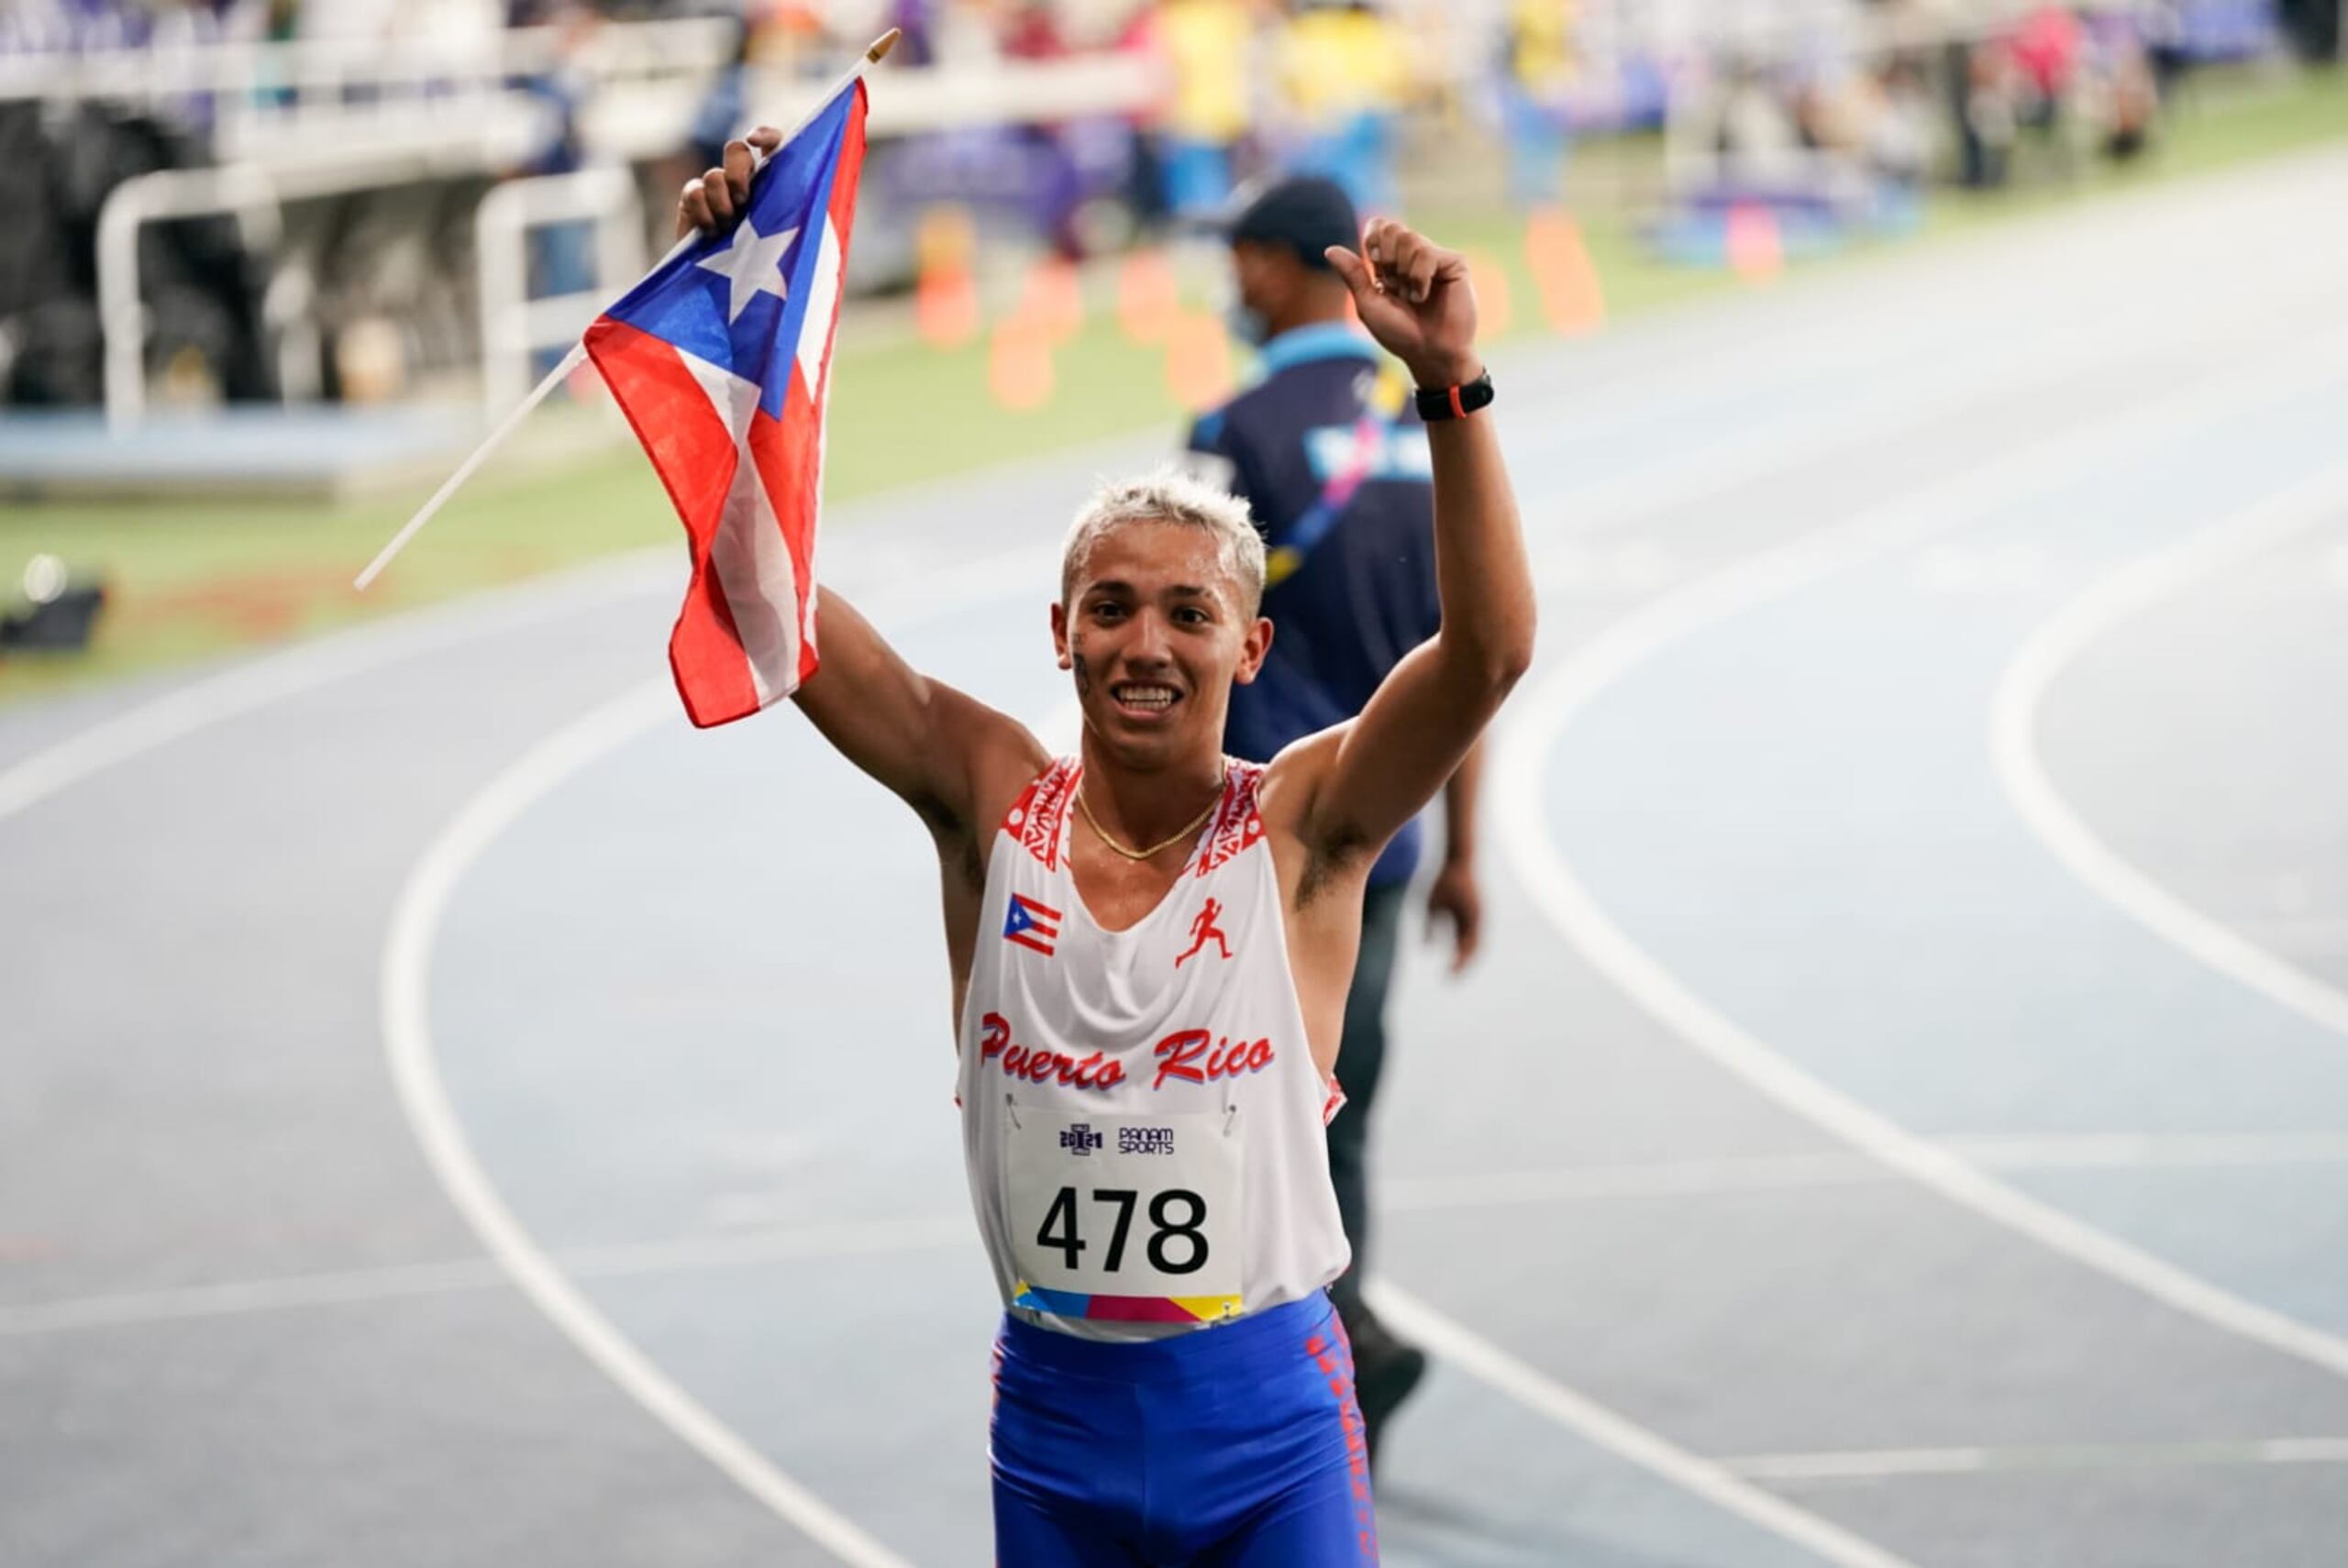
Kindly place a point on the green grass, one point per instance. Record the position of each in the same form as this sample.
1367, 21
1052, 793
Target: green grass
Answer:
203, 578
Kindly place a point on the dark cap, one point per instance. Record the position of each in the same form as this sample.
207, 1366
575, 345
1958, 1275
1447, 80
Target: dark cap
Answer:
1303, 212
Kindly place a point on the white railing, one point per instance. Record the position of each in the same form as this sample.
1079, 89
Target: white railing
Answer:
137, 201
515, 327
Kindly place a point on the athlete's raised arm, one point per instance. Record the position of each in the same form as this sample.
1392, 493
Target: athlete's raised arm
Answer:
940, 750
945, 752
1364, 780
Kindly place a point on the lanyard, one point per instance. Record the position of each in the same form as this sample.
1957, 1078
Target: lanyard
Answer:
1380, 412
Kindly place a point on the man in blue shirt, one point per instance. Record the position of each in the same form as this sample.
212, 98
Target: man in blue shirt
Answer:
1327, 449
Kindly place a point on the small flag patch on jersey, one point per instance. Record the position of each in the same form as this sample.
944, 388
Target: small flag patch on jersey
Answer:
1032, 924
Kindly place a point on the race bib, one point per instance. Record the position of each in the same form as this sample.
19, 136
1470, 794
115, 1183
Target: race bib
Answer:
1134, 1219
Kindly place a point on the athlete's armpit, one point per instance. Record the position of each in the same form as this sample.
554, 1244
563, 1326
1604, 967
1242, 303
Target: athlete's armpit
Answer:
1321, 859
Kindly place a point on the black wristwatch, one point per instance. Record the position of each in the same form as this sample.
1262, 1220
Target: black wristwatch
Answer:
1455, 403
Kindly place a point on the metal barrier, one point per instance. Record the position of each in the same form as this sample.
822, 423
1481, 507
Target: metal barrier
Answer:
239, 189
255, 195
513, 326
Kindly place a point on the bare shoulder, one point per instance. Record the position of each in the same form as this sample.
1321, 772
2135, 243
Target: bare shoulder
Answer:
989, 756
993, 758
1292, 781
1005, 758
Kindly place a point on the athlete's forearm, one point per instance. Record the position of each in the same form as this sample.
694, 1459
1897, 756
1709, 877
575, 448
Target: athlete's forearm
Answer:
1426, 715
1459, 809
1483, 580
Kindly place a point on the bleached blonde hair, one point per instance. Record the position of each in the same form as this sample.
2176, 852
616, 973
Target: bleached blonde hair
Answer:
1171, 495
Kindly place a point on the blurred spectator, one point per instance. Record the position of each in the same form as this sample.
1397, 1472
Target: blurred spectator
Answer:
2164, 42
1756, 135
1342, 72
1899, 134
562, 255
37, 26
1032, 31
2314, 27
2044, 50
1540, 72
2120, 84
917, 19
725, 107
1145, 192
1209, 44
1055, 183
1985, 89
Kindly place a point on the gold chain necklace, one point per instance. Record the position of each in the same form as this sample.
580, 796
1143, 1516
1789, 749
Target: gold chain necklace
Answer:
1193, 826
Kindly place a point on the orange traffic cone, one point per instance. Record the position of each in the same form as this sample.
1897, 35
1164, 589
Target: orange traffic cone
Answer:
1053, 299
1198, 361
945, 289
1148, 297
945, 307
1020, 374
1572, 297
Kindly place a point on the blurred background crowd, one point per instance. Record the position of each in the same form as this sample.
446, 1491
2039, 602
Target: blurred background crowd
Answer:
221, 200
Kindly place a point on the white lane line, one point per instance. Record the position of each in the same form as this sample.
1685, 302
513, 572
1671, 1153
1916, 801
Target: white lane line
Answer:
2013, 724
1869, 1464
306, 667
1544, 1396
2305, 1450
631, 1260
1658, 1178
2152, 1151
794, 1243
1830, 1168
406, 1006
407, 1040
243, 1297
1560, 696
1721, 466
1858, 1464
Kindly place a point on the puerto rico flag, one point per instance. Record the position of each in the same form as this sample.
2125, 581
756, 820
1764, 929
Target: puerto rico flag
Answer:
720, 358
1032, 924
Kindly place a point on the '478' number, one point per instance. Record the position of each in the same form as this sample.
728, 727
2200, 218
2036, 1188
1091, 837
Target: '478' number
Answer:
1059, 1228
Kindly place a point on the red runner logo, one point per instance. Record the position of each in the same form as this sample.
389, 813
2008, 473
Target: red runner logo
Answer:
1203, 930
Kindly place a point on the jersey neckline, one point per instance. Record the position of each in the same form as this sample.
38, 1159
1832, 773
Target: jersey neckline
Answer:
1237, 775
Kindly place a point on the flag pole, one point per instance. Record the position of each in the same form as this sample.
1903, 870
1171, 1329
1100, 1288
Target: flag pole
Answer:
578, 353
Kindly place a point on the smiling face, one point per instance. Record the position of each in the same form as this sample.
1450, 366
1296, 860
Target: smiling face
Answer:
1156, 624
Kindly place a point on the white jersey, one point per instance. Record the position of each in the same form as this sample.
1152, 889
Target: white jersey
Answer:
1141, 1115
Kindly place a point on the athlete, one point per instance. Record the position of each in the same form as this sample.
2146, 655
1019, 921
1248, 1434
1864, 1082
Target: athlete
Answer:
1150, 945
